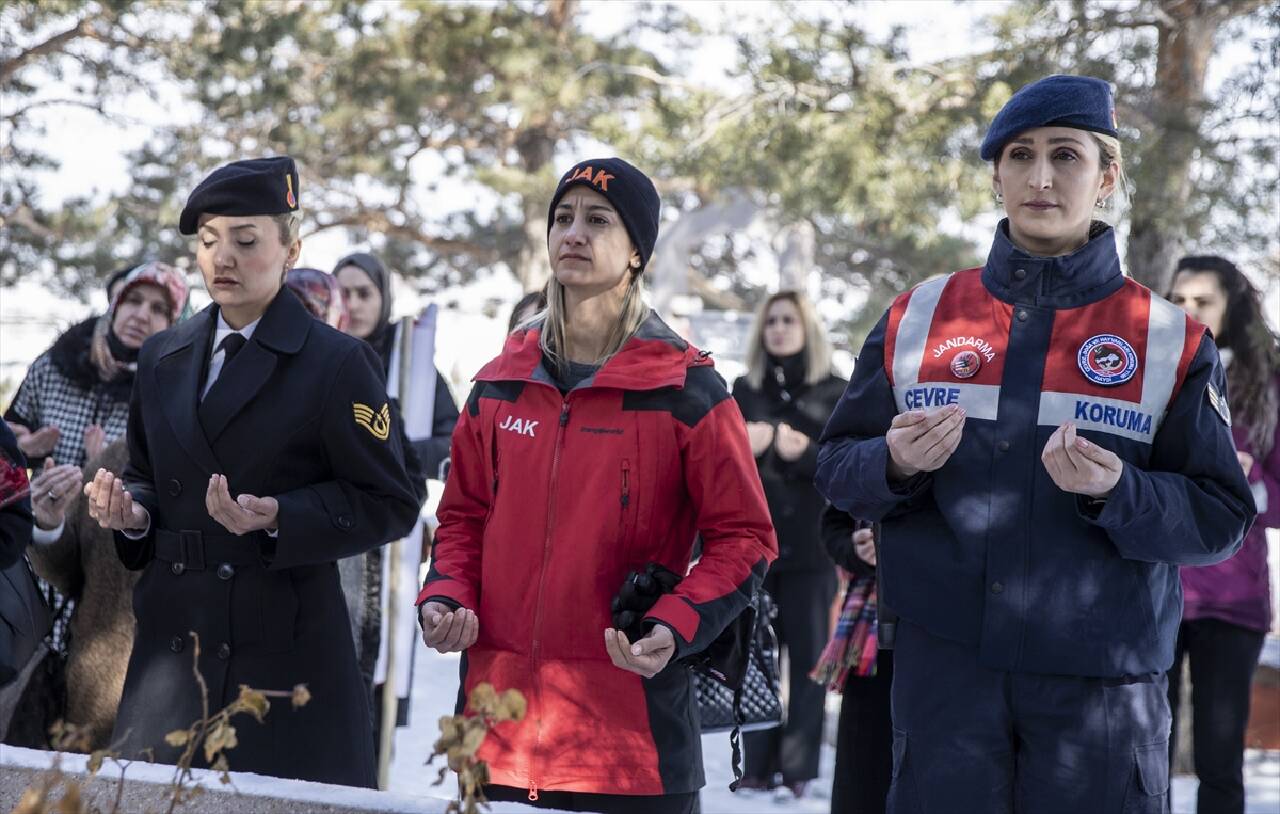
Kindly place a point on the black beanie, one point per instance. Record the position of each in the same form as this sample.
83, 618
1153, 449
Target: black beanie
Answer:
627, 189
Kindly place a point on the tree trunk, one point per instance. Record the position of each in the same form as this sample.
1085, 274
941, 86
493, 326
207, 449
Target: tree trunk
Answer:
1163, 181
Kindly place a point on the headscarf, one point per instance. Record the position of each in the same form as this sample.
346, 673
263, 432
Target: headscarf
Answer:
320, 293
383, 335
163, 276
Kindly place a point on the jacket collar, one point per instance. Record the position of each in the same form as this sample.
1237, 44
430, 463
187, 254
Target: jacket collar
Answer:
654, 357
182, 363
1087, 275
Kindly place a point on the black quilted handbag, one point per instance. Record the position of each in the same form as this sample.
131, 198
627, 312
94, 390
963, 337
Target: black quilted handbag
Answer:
737, 678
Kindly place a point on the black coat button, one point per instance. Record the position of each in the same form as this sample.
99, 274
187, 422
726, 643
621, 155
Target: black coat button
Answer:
1022, 316
1020, 274
345, 521
175, 487
997, 587
176, 644
226, 571
177, 568
224, 651
1003, 446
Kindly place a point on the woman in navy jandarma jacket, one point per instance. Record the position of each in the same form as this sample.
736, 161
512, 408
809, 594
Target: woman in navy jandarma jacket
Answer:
596, 443
1043, 441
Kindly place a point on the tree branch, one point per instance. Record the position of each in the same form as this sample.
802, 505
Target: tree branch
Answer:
52, 45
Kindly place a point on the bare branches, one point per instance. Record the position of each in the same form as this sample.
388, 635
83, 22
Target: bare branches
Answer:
58, 42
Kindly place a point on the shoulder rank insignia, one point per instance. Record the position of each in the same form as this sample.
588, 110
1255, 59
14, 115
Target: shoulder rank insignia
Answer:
378, 424
1219, 403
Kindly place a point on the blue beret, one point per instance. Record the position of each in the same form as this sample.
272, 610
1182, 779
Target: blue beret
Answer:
626, 188
1082, 102
254, 186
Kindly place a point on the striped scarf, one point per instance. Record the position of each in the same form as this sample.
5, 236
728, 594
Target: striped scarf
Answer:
854, 644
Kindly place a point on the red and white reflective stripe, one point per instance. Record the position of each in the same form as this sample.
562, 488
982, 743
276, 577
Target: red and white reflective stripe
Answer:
910, 344
1139, 421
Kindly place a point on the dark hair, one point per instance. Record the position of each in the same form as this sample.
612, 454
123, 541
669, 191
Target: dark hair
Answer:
536, 298
1255, 349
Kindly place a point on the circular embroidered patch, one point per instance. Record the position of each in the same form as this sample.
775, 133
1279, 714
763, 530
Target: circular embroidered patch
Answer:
1107, 359
965, 363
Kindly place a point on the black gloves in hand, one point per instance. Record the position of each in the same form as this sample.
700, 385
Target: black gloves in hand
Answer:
640, 591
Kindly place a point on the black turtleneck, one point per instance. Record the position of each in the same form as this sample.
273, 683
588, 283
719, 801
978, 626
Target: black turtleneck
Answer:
783, 375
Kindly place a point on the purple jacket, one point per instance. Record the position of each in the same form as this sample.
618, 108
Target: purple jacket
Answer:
1238, 590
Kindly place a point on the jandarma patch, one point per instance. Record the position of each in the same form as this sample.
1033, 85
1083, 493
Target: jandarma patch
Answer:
378, 424
1219, 403
1107, 359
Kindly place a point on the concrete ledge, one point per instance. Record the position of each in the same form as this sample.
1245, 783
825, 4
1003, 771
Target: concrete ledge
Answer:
147, 789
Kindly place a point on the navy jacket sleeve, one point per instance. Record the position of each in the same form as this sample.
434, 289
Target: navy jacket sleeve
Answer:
369, 501
1192, 505
853, 458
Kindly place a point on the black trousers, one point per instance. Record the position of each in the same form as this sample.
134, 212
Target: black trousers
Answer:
864, 742
1223, 657
606, 803
804, 607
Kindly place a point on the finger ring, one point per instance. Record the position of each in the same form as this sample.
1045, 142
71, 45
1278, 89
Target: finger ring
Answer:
52, 496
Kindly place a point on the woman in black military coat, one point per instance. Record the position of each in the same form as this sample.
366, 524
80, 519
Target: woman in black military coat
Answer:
261, 451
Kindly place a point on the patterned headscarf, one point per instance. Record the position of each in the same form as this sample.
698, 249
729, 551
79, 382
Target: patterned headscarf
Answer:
320, 293
164, 277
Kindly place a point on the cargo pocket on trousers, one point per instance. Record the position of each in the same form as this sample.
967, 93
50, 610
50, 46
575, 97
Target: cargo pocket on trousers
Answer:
1148, 790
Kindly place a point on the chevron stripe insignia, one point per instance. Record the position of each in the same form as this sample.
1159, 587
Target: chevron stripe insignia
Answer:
378, 424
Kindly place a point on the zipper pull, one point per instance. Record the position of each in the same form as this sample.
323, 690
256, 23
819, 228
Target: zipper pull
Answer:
533, 791
564, 414
626, 484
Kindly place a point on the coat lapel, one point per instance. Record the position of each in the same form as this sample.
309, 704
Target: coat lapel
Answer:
283, 330
179, 375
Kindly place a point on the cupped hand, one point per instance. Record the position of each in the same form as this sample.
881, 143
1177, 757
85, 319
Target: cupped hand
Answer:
111, 505
923, 440
242, 515
647, 656
1078, 466
790, 443
51, 492
446, 630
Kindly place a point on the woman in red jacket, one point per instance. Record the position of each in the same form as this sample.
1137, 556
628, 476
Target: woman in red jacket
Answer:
597, 442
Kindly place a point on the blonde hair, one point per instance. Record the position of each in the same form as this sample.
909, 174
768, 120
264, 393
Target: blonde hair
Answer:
633, 314
290, 226
1110, 152
817, 347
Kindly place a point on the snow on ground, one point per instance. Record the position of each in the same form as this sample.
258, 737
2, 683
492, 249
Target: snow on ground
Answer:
435, 688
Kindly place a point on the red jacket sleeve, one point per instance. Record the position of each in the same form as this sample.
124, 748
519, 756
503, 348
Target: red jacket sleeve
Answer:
454, 575
738, 540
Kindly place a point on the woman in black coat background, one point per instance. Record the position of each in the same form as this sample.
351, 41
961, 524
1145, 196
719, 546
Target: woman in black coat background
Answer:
261, 450
786, 397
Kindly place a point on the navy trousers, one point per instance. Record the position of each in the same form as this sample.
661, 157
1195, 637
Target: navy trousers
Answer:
969, 739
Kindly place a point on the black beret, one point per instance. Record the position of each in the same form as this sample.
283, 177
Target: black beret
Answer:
629, 191
1082, 102
254, 186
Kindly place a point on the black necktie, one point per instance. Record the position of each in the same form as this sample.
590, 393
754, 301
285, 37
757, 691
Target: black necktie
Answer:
231, 345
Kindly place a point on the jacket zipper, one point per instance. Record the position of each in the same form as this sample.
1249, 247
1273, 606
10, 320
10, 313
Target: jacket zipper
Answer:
542, 578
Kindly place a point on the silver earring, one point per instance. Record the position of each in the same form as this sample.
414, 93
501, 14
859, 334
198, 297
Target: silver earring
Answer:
999, 197
1101, 203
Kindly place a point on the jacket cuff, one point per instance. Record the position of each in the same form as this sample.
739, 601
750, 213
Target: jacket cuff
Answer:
677, 614
449, 591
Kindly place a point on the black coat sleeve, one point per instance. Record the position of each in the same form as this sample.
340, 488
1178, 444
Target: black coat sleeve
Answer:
16, 519
369, 500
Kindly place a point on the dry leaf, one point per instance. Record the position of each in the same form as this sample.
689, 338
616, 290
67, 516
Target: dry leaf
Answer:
178, 737
301, 695
483, 698
252, 702
512, 707
222, 737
